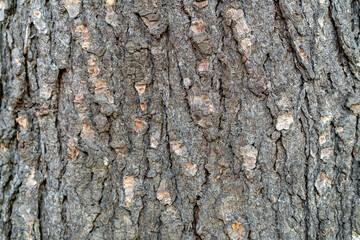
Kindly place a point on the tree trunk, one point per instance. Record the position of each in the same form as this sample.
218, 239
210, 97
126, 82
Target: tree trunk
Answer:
190, 119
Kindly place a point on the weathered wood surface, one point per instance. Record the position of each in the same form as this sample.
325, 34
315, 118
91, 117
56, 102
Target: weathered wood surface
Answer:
152, 119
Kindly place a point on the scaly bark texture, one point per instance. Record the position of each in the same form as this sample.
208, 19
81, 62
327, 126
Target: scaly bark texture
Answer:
179, 119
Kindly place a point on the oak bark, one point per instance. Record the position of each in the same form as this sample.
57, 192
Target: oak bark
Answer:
190, 119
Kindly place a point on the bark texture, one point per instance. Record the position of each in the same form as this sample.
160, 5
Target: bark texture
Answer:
169, 119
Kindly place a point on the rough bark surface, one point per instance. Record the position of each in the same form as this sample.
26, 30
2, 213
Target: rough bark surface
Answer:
169, 119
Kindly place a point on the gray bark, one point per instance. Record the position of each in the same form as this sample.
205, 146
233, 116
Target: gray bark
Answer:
190, 119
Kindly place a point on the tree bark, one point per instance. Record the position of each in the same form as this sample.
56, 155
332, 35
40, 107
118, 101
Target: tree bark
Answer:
189, 119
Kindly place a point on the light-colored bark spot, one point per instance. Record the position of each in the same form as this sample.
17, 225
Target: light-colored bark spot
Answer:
211, 108
153, 142
205, 122
249, 154
322, 182
36, 13
355, 235
93, 71
119, 146
87, 132
187, 82
163, 195
205, 100
204, 66
339, 130
149, 23
237, 228
235, 14
129, 185
2, 148
72, 7
326, 153
355, 108
284, 102
241, 28
45, 92
246, 44
139, 124
303, 55
325, 119
284, 121
176, 147
322, 139
81, 28
92, 60
78, 98
85, 45
100, 86
140, 88
71, 150
191, 168
171, 210
201, 3
2, 11
21, 120
110, 98
197, 25
142, 106
110, 2
30, 181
